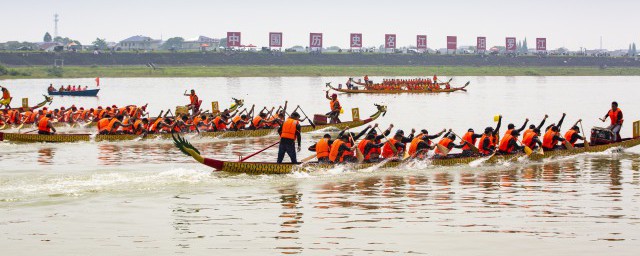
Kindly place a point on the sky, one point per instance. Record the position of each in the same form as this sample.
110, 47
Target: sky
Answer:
565, 23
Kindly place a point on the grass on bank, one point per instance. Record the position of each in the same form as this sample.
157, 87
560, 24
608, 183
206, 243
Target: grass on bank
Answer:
272, 71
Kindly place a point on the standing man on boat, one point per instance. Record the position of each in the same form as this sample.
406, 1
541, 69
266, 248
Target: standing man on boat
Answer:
289, 132
194, 102
6, 97
335, 108
615, 114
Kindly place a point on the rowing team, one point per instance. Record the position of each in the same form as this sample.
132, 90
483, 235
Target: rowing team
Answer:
372, 149
415, 81
409, 87
68, 115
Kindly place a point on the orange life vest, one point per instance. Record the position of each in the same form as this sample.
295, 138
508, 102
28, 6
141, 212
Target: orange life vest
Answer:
387, 151
414, 145
137, 127
110, 127
527, 139
613, 115
482, 139
126, 129
193, 99
505, 143
103, 124
154, 126
444, 142
335, 105
548, 141
43, 125
289, 129
569, 135
335, 148
322, 148
256, 122
468, 137
220, 125
362, 145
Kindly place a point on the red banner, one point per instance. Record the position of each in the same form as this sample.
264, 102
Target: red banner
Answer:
510, 44
355, 40
481, 44
421, 42
233, 39
275, 39
541, 44
452, 42
315, 40
390, 41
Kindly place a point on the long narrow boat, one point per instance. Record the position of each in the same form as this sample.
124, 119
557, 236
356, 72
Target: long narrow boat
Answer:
31, 137
46, 100
399, 91
285, 168
85, 93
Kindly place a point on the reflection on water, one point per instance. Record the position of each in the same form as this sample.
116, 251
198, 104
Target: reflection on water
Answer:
45, 156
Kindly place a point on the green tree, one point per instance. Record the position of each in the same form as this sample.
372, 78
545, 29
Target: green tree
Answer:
174, 43
100, 44
47, 38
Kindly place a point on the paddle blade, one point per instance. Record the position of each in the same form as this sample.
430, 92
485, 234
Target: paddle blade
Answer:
568, 145
309, 158
359, 155
443, 150
528, 150
406, 155
586, 144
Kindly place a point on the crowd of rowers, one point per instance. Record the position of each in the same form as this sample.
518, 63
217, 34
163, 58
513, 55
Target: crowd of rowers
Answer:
376, 146
131, 120
69, 88
407, 84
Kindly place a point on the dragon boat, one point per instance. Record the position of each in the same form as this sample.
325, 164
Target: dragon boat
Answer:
450, 160
453, 89
47, 100
32, 137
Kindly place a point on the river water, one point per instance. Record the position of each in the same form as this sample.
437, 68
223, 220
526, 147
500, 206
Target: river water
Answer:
135, 198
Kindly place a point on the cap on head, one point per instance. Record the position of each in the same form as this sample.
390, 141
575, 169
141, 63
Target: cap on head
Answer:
424, 131
400, 132
511, 126
327, 136
334, 95
295, 115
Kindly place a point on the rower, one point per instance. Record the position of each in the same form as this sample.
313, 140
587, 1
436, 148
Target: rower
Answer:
532, 139
532, 128
238, 123
194, 102
339, 152
6, 97
422, 143
448, 141
551, 138
139, 126
322, 149
45, 126
487, 143
289, 132
115, 124
335, 108
51, 89
260, 121
573, 134
220, 122
399, 142
511, 128
470, 137
615, 114
509, 143
103, 124
370, 148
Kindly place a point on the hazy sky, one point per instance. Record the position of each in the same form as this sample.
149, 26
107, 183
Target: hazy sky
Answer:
568, 23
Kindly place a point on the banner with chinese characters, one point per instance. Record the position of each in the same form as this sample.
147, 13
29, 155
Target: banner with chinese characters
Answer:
233, 39
355, 40
452, 42
510, 44
541, 44
421, 42
390, 41
481, 44
315, 40
275, 39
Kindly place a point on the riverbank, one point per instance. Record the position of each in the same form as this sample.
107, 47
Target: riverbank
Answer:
311, 70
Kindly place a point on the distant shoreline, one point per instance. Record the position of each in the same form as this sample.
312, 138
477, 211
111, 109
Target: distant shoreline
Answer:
36, 72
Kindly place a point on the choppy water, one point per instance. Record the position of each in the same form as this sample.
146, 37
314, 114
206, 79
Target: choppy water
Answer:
134, 198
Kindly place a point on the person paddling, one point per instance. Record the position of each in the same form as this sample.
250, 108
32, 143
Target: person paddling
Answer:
45, 126
615, 114
509, 143
290, 132
573, 134
552, 135
422, 143
448, 141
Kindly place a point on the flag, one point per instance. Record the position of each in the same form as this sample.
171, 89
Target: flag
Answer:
97, 81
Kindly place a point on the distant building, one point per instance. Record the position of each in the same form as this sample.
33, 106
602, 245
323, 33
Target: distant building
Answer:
48, 46
201, 43
142, 43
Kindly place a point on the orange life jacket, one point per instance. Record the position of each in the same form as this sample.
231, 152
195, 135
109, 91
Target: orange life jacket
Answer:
193, 99
126, 129
103, 123
362, 145
220, 125
154, 126
289, 129
569, 135
468, 137
505, 143
43, 125
335, 148
527, 132
110, 127
335, 105
256, 122
527, 139
196, 121
322, 148
613, 115
387, 151
414, 145
137, 127
482, 139
548, 141
444, 142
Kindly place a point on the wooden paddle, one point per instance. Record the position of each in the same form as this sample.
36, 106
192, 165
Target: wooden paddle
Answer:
359, 154
586, 142
307, 159
393, 147
527, 149
259, 151
305, 116
443, 150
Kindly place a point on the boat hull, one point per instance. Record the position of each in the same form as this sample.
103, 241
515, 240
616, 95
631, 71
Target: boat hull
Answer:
274, 168
85, 93
398, 91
